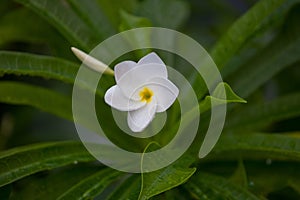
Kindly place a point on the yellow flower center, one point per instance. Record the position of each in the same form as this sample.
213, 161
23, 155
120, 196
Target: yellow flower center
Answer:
146, 95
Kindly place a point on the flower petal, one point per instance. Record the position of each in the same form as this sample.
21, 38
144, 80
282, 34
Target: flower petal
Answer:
151, 58
122, 68
139, 119
164, 91
132, 81
115, 98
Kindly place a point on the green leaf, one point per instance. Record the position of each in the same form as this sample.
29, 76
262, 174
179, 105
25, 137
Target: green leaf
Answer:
15, 28
128, 189
168, 13
282, 52
42, 66
267, 177
41, 98
264, 113
19, 162
66, 21
208, 186
112, 8
129, 21
257, 146
91, 186
37, 65
51, 185
218, 97
93, 15
164, 179
5, 7
243, 29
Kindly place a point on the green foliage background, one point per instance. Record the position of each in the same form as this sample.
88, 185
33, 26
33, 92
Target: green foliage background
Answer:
255, 44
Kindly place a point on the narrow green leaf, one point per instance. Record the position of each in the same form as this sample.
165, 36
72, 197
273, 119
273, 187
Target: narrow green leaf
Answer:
208, 186
267, 177
164, 179
243, 29
66, 21
23, 161
168, 13
41, 98
92, 13
220, 98
15, 28
52, 184
282, 52
259, 114
91, 186
128, 189
37, 65
257, 146
42, 66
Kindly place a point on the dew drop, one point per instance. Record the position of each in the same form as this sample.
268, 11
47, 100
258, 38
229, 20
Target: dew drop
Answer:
251, 183
269, 161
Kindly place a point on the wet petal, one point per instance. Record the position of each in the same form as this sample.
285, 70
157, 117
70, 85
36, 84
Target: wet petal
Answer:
139, 119
115, 98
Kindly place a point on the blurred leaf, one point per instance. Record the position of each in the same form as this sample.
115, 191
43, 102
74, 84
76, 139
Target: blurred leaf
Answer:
19, 162
220, 98
5, 192
207, 186
52, 185
130, 21
243, 29
6, 6
263, 113
257, 146
91, 186
282, 52
259, 39
60, 14
128, 189
271, 176
91, 12
112, 8
41, 98
15, 28
36, 65
239, 177
167, 14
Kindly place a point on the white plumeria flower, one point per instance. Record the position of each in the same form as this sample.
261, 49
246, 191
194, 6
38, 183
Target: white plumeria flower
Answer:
142, 89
